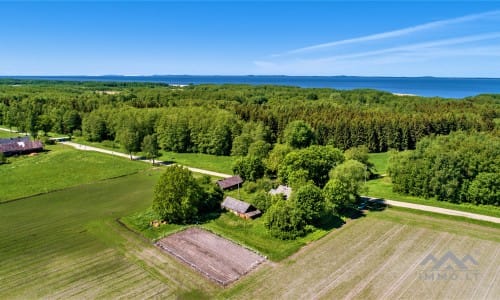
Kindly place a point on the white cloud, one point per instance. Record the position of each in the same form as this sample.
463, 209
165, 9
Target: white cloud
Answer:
464, 46
395, 33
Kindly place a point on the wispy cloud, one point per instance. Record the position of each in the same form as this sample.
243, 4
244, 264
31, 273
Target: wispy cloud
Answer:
414, 48
396, 33
466, 46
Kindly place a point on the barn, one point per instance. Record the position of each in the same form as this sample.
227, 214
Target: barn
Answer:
19, 145
240, 208
230, 183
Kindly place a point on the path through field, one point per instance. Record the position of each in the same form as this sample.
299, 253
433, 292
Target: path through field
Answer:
90, 148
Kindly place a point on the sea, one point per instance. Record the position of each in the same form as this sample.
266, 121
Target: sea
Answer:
420, 86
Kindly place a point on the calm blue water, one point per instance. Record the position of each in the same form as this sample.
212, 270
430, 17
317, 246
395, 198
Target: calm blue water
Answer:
422, 86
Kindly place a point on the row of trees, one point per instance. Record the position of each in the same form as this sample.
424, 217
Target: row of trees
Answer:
461, 167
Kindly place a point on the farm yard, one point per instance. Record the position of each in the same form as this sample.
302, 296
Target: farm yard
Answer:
217, 258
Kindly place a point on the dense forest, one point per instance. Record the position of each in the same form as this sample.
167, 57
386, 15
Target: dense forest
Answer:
225, 119
457, 168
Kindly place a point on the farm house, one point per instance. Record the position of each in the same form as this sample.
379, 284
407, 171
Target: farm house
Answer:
20, 145
230, 183
240, 208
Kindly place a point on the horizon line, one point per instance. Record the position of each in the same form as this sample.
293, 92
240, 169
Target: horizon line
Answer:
242, 75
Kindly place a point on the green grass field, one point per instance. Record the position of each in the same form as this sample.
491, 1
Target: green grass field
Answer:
209, 162
57, 168
68, 244
380, 161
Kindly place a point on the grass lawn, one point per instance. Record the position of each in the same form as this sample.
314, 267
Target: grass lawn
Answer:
380, 161
6, 134
253, 234
221, 164
59, 167
67, 244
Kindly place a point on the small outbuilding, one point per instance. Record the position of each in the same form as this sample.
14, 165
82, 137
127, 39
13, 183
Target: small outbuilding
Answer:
230, 183
282, 189
240, 208
20, 145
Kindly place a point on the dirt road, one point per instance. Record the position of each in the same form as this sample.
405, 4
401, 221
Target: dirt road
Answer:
90, 148
438, 210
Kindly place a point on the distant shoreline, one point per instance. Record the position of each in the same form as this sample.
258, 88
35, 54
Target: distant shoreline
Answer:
456, 88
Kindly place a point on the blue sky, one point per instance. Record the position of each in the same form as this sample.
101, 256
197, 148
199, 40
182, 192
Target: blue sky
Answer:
364, 38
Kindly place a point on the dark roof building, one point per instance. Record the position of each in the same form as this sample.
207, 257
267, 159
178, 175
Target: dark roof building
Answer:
230, 183
14, 140
243, 209
19, 146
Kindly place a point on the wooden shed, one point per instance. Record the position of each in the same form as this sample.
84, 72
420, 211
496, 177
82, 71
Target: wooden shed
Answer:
230, 183
240, 208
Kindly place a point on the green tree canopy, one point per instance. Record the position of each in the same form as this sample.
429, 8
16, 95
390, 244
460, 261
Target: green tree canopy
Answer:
276, 157
344, 187
299, 134
284, 220
446, 167
249, 168
316, 161
177, 195
150, 147
309, 199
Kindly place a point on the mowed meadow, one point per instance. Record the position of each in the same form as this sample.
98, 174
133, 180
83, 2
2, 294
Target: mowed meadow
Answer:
59, 167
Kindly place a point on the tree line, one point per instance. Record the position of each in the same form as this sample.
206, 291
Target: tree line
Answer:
213, 118
460, 168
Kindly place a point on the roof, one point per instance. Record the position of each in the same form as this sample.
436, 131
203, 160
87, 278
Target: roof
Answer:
230, 182
282, 189
21, 146
14, 140
236, 205
252, 214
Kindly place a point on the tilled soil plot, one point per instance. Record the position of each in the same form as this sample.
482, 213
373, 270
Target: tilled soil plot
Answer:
217, 258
